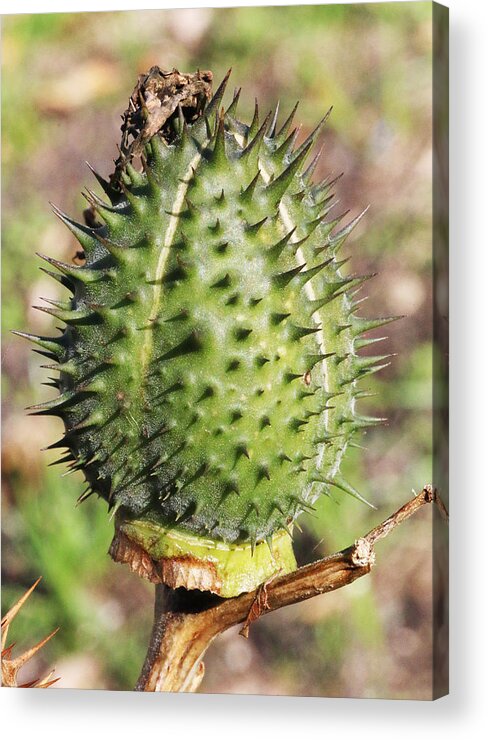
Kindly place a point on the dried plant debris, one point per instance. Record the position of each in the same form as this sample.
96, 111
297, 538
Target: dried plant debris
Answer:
11, 666
157, 97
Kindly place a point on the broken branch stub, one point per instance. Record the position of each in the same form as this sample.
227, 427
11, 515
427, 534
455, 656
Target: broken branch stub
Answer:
186, 622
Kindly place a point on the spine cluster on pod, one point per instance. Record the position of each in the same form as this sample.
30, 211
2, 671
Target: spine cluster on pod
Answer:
208, 372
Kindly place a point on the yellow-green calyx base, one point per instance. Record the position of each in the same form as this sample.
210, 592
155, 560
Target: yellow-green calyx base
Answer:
210, 565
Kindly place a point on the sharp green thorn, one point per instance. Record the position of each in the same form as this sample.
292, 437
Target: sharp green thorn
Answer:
272, 127
246, 195
277, 188
275, 252
339, 482
280, 137
282, 279
254, 144
231, 110
337, 239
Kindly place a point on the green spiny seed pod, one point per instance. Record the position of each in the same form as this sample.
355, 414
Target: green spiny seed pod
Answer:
208, 370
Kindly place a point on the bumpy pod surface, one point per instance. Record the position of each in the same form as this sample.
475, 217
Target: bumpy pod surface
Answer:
209, 365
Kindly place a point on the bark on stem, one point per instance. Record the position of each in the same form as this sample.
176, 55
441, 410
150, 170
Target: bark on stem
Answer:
186, 622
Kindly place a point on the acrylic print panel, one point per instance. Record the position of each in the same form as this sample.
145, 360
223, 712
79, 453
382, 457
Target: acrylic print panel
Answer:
230, 408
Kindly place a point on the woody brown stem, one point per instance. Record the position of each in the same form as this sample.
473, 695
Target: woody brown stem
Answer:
186, 622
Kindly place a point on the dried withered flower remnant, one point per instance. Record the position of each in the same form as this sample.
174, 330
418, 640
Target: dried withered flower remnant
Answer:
209, 370
156, 98
11, 666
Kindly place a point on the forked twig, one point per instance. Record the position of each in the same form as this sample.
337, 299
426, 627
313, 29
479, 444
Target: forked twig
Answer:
186, 622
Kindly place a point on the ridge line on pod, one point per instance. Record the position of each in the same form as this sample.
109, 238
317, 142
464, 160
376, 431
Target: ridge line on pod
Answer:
176, 208
300, 257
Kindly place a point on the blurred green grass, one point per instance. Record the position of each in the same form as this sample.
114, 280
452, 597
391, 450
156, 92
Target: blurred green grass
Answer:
66, 79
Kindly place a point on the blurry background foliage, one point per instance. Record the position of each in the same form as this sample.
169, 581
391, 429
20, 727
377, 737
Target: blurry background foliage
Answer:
66, 80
